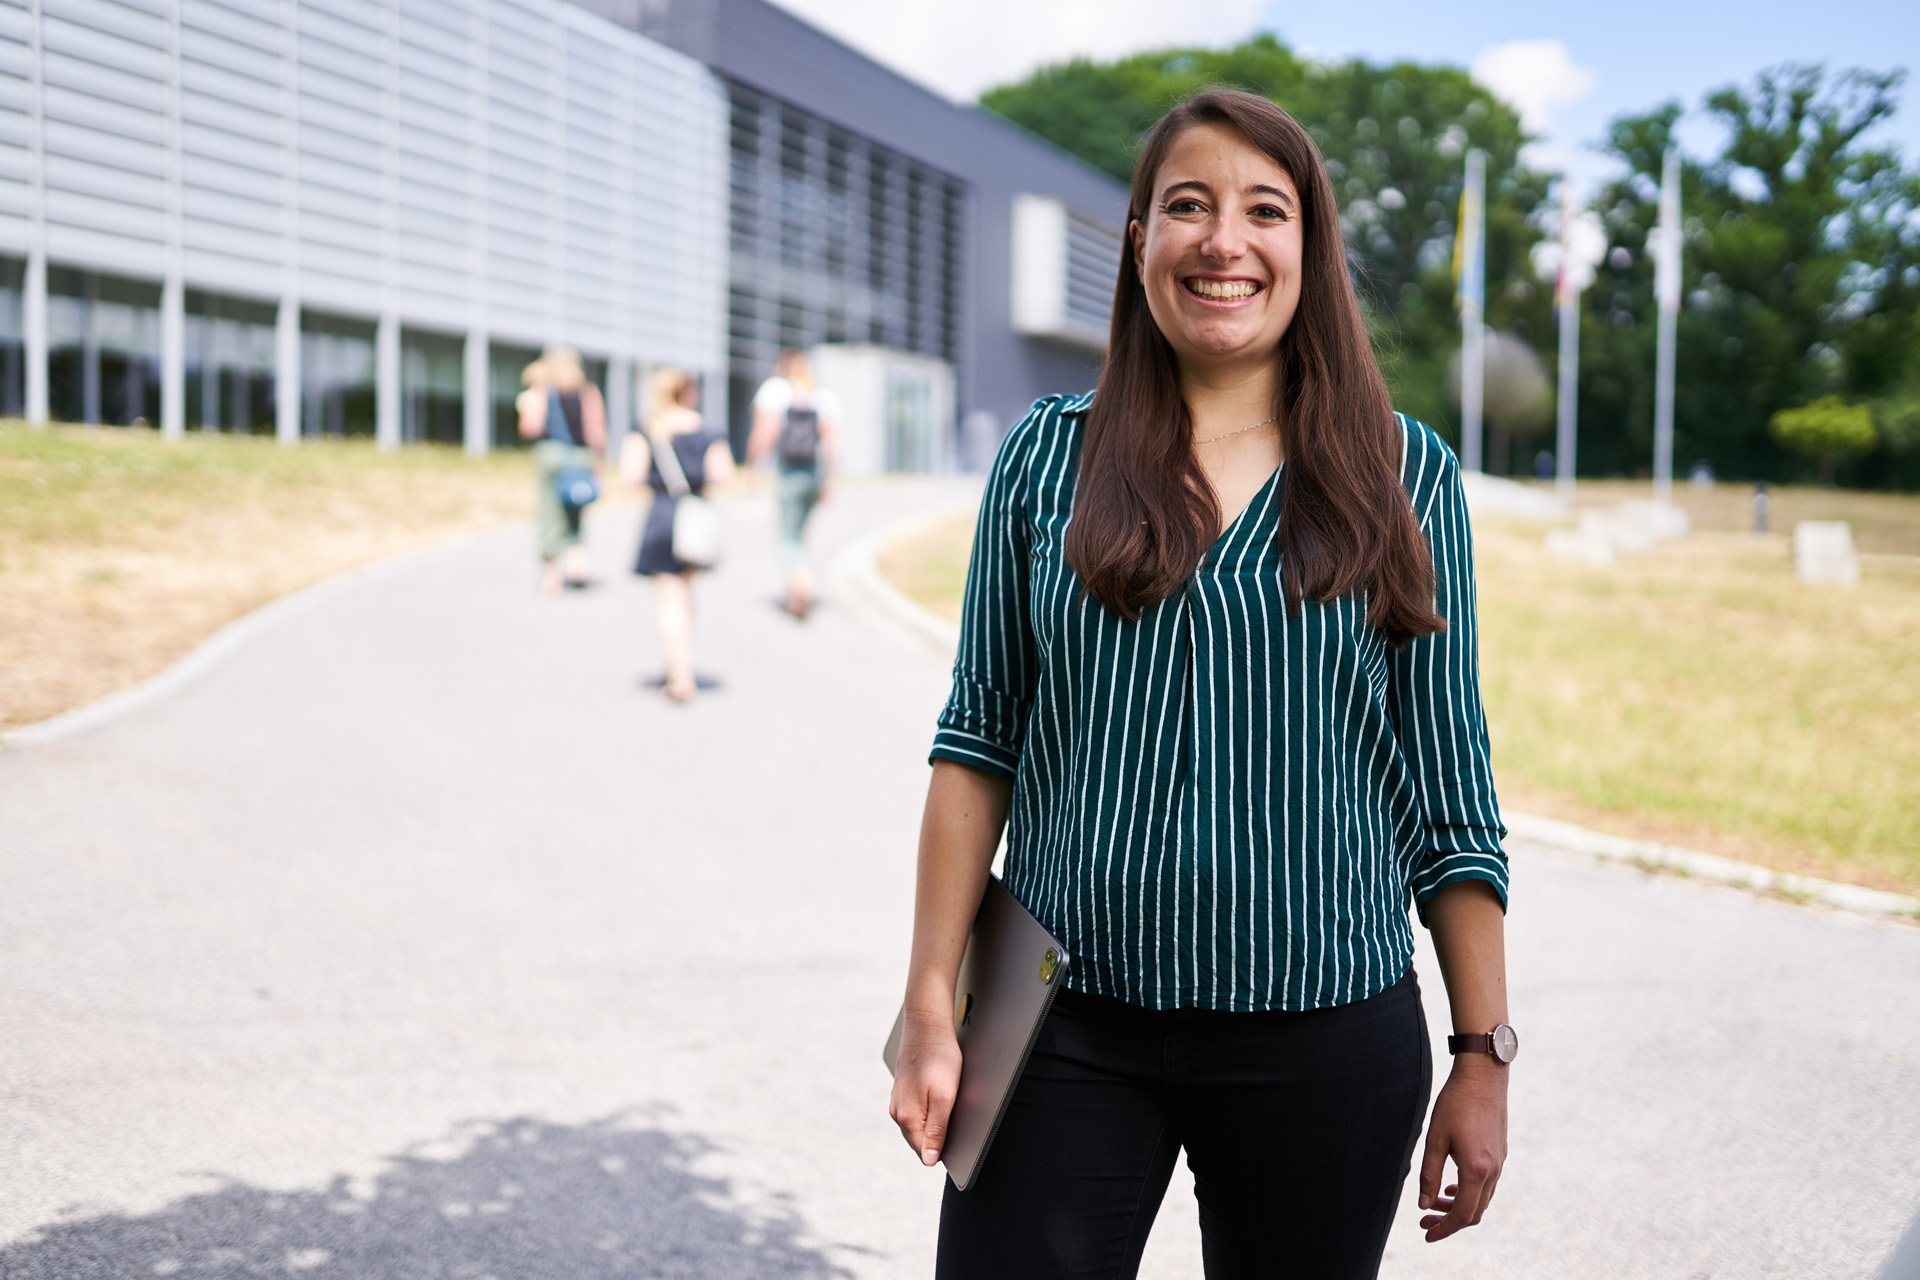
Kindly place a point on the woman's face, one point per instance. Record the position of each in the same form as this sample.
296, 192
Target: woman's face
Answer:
1219, 251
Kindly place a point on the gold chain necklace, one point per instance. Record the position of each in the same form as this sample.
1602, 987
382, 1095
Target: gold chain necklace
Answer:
1241, 431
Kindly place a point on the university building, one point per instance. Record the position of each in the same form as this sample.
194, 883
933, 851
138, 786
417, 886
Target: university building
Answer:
338, 217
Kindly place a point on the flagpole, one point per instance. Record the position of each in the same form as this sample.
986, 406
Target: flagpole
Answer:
1667, 287
1566, 436
1473, 292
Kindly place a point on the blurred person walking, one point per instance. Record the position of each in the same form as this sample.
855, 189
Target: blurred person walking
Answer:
798, 423
695, 456
563, 412
1217, 682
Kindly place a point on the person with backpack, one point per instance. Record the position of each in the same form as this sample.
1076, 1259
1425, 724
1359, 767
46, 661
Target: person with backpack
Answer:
797, 423
565, 415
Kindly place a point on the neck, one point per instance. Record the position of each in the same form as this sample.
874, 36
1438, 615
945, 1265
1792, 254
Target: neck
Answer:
1226, 399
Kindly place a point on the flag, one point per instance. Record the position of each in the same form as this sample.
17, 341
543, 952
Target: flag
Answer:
1470, 237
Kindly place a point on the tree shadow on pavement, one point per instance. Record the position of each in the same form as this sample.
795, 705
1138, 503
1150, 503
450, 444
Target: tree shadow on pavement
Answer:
523, 1200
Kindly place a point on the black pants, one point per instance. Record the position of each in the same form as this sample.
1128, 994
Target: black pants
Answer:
1299, 1129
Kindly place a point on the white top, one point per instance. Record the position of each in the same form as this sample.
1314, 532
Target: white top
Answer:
777, 395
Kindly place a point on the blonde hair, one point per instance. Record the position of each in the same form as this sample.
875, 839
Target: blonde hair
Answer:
794, 366
563, 368
536, 375
664, 390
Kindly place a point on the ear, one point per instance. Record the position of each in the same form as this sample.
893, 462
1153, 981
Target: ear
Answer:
1137, 240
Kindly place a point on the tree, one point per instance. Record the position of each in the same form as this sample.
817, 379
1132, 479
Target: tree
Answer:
1395, 137
1825, 430
1801, 279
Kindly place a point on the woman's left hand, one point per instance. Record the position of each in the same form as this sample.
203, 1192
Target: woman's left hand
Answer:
1469, 1125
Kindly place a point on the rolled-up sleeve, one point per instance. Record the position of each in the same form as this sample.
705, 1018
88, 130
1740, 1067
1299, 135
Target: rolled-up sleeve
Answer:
985, 720
1441, 721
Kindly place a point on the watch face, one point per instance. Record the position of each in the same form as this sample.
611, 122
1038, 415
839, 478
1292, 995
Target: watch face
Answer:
1506, 1043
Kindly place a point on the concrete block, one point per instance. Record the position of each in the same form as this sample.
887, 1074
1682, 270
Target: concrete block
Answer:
1823, 553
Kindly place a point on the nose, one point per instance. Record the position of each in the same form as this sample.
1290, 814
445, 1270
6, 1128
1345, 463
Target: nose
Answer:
1225, 241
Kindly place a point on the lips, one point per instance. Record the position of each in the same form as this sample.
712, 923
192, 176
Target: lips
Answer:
1214, 290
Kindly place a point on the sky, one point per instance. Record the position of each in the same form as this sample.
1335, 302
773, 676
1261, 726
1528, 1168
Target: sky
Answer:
1568, 68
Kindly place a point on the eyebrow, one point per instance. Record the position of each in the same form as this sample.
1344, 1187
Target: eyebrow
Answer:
1260, 188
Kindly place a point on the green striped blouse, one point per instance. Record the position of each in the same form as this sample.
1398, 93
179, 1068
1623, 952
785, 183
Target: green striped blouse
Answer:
1220, 806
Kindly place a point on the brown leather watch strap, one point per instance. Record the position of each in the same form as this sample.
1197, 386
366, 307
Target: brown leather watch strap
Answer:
1470, 1044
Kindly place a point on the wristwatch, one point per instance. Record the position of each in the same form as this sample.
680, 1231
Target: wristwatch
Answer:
1502, 1044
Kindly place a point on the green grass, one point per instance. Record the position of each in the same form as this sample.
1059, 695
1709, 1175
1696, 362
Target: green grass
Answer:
1698, 694
71, 484
120, 551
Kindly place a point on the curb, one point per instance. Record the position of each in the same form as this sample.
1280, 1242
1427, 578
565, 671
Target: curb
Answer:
1565, 837
227, 641
855, 574
858, 574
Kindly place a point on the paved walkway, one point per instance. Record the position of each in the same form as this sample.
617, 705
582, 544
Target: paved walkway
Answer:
416, 940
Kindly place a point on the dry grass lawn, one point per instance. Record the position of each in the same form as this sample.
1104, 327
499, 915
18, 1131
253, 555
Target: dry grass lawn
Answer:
119, 551
1697, 695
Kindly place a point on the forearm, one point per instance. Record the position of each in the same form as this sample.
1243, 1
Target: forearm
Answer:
593, 420
966, 811
1469, 936
766, 425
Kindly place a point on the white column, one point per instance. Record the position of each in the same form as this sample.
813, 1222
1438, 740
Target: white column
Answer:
619, 402
477, 397
287, 379
286, 372
173, 357
34, 306
386, 382
34, 298
388, 430
476, 362
173, 289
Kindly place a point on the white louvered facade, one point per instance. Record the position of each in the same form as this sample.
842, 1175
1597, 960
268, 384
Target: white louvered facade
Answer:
491, 172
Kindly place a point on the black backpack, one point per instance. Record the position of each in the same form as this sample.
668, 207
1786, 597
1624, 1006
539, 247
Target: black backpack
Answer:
800, 437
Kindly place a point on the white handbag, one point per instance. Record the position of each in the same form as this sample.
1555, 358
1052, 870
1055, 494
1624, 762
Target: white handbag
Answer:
697, 536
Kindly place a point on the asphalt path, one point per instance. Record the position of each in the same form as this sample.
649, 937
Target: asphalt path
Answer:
420, 938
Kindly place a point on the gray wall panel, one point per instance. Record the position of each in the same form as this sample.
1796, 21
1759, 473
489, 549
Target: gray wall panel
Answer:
520, 166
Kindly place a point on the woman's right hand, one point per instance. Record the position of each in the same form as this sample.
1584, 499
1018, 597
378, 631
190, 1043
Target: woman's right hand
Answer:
926, 1080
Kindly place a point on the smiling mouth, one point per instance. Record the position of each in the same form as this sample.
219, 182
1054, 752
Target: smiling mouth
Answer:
1220, 290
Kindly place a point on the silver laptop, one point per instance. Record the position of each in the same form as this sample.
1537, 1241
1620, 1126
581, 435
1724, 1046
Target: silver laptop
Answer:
1012, 970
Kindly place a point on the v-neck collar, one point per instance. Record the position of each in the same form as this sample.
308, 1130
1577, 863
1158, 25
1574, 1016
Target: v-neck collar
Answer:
1261, 497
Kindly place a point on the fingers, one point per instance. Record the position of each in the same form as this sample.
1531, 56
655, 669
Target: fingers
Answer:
1465, 1202
1432, 1165
934, 1136
922, 1116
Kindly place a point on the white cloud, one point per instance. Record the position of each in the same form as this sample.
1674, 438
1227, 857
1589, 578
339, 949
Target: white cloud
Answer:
1534, 77
960, 47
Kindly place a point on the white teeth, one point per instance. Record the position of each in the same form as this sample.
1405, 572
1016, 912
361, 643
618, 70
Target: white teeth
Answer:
1222, 290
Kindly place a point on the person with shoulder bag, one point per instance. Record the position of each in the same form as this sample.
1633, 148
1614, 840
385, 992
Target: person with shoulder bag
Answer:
565, 414
677, 456
1217, 683
797, 423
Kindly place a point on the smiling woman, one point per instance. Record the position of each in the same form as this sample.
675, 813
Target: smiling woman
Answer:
1212, 330
1216, 679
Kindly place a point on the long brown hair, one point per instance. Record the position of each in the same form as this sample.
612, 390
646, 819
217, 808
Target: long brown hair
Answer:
1143, 512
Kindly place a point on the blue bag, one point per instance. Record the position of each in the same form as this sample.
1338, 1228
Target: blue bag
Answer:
573, 483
